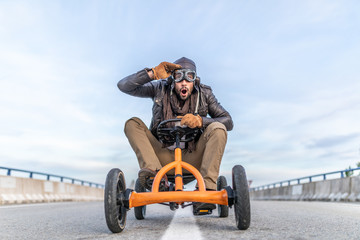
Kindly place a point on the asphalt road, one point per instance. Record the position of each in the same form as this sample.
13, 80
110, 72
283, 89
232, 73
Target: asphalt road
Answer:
270, 220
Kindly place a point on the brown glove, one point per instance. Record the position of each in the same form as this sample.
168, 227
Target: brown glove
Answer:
164, 69
192, 121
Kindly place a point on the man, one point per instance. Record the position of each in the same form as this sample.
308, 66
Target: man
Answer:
177, 93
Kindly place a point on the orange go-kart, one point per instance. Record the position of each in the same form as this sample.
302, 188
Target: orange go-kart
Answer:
119, 199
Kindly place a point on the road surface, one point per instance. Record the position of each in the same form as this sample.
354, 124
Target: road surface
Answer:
270, 220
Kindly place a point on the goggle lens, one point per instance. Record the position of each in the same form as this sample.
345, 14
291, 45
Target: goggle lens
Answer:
178, 75
191, 75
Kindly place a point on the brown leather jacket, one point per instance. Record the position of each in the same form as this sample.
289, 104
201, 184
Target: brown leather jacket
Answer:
141, 85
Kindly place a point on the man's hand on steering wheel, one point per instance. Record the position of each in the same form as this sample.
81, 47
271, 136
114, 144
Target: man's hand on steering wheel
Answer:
191, 120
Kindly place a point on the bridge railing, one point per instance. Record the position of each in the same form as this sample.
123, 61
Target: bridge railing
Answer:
323, 176
48, 176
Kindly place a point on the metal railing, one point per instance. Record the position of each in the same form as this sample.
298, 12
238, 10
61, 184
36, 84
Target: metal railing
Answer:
343, 173
48, 176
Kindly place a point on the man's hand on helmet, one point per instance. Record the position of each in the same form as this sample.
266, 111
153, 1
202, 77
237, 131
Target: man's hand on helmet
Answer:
192, 121
164, 69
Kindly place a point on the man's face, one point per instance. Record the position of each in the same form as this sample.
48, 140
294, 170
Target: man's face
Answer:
184, 89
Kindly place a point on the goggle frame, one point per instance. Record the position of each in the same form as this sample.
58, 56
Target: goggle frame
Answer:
184, 75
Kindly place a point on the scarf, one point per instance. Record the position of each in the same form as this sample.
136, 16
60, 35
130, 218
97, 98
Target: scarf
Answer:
172, 107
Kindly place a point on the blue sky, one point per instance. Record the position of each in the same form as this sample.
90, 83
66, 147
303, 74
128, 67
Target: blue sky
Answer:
287, 71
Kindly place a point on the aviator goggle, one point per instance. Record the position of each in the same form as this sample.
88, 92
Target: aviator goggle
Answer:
184, 74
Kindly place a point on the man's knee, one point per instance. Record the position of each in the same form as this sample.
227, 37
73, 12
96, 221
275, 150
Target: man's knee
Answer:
132, 123
216, 129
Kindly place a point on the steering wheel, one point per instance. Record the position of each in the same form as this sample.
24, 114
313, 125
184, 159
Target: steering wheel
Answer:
171, 134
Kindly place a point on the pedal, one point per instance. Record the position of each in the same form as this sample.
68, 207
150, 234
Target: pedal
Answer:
202, 212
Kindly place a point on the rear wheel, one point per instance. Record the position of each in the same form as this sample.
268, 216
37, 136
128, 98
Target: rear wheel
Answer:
115, 211
139, 211
242, 199
223, 210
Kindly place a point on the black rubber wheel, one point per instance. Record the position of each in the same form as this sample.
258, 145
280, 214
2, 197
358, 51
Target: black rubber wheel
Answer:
195, 213
140, 212
242, 199
115, 212
223, 210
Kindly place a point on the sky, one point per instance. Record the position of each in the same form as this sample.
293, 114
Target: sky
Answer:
287, 71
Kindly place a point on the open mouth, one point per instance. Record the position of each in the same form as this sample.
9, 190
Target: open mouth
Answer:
183, 92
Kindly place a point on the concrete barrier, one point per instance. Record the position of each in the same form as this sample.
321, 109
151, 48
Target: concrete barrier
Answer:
322, 191
27, 190
296, 192
308, 192
354, 190
343, 189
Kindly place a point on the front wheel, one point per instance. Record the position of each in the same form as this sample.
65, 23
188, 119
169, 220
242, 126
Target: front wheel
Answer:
223, 210
242, 199
139, 211
115, 211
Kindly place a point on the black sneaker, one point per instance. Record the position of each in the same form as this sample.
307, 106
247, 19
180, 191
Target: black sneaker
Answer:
146, 177
146, 174
208, 206
200, 208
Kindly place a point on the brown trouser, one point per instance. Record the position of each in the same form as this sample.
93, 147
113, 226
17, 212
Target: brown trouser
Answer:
206, 158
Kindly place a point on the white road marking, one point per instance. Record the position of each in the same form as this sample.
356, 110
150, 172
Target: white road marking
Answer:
183, 226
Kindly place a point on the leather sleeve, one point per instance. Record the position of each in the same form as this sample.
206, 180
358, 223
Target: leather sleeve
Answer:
217, 113
138, 84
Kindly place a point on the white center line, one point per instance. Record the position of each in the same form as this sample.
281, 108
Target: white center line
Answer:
183, 226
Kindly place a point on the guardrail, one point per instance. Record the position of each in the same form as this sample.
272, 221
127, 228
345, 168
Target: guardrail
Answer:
342, 173
48, 176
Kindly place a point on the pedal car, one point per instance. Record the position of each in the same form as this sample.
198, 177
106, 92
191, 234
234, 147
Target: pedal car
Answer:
119, 199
